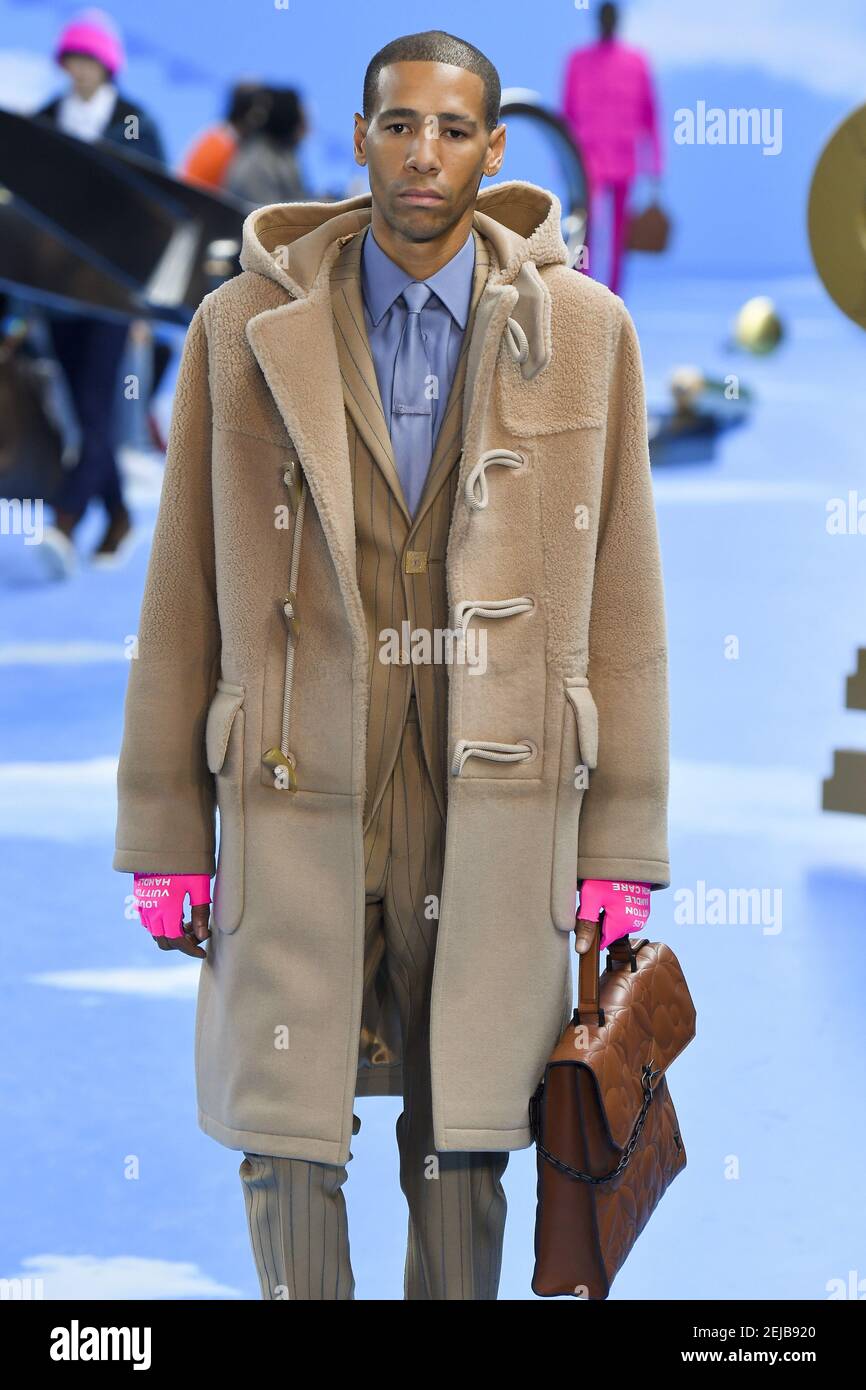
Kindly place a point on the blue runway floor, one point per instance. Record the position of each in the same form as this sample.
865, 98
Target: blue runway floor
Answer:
111, 1190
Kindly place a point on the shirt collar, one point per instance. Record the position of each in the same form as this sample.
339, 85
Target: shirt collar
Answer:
383, 280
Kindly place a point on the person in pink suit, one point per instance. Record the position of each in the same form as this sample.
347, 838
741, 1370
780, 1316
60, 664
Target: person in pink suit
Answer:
609, 104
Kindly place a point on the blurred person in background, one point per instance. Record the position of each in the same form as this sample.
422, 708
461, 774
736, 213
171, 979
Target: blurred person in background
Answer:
609, 104
208, 159
90, 50
89, 348
265, 168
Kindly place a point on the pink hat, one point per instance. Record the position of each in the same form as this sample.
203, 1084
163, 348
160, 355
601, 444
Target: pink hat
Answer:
94, 33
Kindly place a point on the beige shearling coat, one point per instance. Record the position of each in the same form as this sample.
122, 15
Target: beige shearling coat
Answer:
554, 503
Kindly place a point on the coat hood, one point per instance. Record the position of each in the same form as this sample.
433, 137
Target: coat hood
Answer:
296, 244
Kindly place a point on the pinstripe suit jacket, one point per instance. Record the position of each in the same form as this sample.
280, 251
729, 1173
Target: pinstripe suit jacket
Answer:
400, 559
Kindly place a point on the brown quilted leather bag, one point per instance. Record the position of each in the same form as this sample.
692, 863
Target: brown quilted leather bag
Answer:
608, 1141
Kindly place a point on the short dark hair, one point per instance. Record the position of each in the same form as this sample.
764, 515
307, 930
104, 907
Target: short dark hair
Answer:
283, 114
435, 46
242, 98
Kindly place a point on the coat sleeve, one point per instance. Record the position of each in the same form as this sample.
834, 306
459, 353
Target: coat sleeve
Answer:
623, 821
165, 793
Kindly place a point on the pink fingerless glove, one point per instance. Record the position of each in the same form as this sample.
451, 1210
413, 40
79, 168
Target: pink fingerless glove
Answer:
626, 907
159, 899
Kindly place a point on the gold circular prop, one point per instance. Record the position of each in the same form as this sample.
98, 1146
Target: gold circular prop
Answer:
837, 216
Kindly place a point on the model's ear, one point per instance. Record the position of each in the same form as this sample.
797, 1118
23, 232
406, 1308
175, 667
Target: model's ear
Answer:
359, 138
495, 151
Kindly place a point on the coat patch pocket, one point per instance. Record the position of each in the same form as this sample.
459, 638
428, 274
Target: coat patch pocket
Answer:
224, 747
579, 754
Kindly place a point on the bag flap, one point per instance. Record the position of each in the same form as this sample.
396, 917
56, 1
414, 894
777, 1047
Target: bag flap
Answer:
223, 707
649, 1016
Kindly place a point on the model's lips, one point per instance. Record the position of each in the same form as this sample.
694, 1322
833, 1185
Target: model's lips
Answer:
421, 195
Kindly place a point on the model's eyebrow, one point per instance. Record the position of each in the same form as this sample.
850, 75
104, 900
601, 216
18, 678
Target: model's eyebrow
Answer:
449, 117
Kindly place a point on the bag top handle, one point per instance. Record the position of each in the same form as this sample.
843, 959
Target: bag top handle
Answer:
621, 951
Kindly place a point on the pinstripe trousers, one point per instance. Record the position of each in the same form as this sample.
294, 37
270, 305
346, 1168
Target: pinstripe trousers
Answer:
296, 1208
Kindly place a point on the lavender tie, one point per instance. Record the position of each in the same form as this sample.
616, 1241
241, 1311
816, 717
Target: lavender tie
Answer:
411, 406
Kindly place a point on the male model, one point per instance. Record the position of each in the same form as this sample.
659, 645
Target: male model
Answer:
404, 627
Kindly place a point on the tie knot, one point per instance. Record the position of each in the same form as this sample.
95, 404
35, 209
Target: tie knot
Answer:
415, 296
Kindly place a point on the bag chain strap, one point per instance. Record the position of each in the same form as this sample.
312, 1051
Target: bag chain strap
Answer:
647, 1078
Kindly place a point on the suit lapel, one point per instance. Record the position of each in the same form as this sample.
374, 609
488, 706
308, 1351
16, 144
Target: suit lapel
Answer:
357, 368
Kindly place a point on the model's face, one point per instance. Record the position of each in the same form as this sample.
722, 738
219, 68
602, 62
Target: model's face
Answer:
426, 147
87, 73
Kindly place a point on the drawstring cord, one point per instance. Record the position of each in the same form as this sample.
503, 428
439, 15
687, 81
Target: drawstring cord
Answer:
290, 610
282, 759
